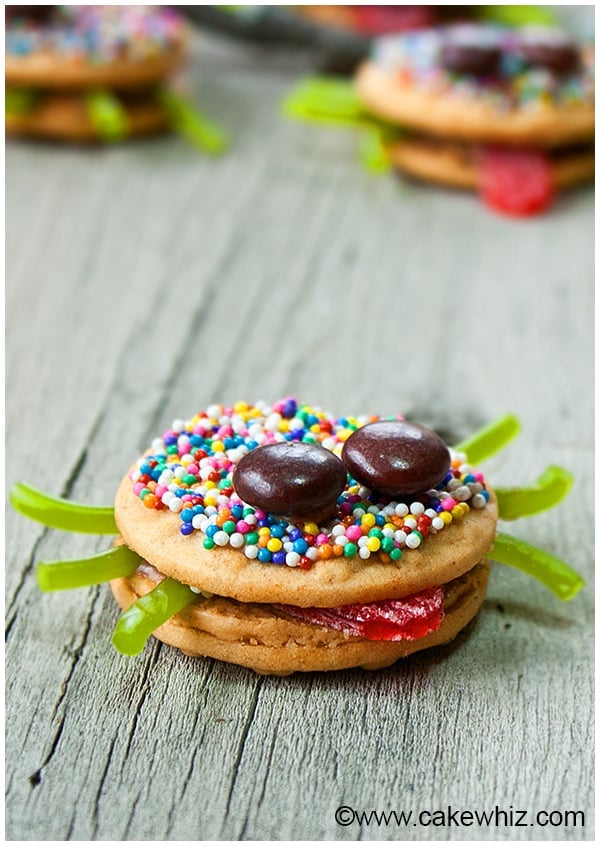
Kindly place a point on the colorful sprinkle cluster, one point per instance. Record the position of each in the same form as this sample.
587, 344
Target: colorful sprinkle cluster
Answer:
413, 56
189, 472
97, 33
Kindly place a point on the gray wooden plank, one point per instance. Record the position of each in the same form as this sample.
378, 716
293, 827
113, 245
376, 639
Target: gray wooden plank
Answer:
147, 282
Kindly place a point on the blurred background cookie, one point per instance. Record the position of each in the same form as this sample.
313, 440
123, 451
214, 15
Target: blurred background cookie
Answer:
98, 73
77, 47
508, 111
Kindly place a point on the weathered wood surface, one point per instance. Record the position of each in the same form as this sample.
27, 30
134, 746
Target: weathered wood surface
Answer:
145, 282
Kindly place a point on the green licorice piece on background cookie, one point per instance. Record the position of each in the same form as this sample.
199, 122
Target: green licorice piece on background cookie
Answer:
20, 101
490, 439
107, 115
552, 486
373, 151
192, 125
334, 101
325, 100
520, 15
136, 624
60, 513
557, 576
83, 572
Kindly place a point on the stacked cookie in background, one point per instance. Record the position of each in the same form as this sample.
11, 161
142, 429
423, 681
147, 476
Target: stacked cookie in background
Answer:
97, 73
507, 112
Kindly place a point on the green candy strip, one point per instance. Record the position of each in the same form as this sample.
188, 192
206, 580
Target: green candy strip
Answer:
60, 513
557, 576
83, 572
490, 439
136, 624
373, 153
107, 115
192, 125
20, 101
551, 487
326, 100
520, 15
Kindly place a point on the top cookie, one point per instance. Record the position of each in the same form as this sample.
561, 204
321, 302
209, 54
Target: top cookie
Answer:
179, 510
482, 83
77, 47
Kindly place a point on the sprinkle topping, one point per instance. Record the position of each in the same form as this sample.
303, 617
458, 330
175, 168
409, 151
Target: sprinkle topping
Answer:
189, 472
416, 58
97, 33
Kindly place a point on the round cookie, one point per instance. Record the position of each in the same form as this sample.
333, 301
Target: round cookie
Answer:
271, 642
79, 47
63, 116
276, 588
522, 105
329, 582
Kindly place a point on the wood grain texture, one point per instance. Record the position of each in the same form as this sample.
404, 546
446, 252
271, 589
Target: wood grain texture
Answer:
145, 282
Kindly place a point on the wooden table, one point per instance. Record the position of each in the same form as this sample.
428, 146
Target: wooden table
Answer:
145, 282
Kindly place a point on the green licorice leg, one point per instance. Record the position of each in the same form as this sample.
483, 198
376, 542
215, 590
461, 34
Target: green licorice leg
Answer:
136, 624
552, 486
373, 152
518, 16
325, 100
490, 439
557, 576
62, 514
107, 115
192, 125
83, 572
20, 101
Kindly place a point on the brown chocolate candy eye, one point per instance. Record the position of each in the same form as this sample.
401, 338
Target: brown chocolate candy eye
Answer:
290, 478
396, 458
470, 50
550, 49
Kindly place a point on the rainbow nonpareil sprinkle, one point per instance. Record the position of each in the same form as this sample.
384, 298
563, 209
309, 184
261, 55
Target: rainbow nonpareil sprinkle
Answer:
97, 33
189, 470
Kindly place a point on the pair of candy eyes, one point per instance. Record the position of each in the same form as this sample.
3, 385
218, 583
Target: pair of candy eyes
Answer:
484, 59
393, 458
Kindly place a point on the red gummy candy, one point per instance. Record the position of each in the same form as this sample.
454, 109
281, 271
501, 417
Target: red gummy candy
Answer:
516, 182
393, 619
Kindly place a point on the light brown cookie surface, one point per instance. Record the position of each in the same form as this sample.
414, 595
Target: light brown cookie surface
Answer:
267, 641
455, 163
156, 537
50, 71
397, 100
64, 117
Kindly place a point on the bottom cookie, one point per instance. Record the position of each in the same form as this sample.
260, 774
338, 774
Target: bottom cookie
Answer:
271, 642
458, 165
66, 117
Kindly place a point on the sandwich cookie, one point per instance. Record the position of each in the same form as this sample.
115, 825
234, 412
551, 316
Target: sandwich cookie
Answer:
283, 539
507, 112
98, 73
319, 555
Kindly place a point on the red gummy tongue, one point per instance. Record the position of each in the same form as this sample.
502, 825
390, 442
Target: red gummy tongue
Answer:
393, 619
516, 182
377, 20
